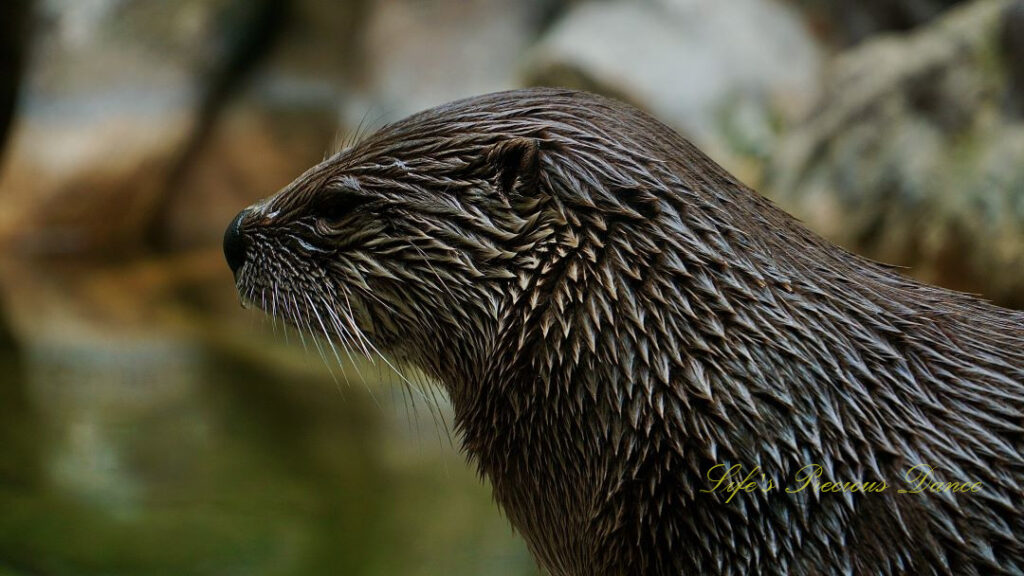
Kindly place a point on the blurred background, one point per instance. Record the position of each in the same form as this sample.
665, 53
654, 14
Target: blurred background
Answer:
149, 425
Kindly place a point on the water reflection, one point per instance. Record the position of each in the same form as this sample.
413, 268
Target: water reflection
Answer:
143, 433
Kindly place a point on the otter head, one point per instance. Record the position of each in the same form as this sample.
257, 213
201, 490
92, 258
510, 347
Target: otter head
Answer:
410, 243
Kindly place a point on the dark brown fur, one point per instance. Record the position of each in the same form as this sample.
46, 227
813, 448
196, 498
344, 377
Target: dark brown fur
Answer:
612, 314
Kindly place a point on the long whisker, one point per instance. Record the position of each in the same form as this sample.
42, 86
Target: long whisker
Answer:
326, 311
346, 337
297, 322
316, 314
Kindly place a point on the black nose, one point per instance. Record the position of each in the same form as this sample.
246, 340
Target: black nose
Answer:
235, 243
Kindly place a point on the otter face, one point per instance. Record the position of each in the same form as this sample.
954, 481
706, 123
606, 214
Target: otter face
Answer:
405, 244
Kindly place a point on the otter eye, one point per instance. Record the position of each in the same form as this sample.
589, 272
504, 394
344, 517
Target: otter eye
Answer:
338, 204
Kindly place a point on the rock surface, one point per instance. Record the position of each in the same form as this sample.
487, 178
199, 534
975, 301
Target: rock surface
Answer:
728, 75
915, 155
426, 53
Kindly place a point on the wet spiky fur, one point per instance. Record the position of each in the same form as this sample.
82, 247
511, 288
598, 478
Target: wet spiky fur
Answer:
612, 315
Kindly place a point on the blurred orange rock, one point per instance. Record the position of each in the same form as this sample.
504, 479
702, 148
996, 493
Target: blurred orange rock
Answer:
112, 99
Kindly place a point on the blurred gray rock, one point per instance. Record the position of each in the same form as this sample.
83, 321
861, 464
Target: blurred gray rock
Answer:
728, 75
915, 155
428, 52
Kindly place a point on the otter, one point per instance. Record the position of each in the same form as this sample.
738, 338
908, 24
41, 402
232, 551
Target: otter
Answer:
646, 358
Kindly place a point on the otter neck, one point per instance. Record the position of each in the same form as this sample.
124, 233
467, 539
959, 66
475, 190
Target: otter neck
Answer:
641, 367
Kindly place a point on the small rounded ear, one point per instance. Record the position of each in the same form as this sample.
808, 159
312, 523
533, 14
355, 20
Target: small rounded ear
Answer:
517, 166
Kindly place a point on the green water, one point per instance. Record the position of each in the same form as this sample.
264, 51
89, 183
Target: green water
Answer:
129, 451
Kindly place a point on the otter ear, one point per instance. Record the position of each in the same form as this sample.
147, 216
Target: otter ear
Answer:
516, 165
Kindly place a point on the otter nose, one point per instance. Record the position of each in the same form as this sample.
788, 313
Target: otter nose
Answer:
235, 243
